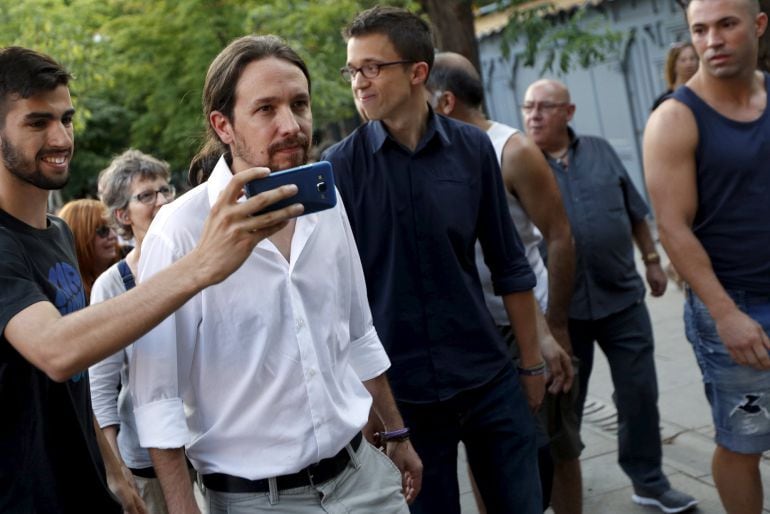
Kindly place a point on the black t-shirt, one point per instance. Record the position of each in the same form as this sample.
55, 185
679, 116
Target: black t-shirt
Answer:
49, 458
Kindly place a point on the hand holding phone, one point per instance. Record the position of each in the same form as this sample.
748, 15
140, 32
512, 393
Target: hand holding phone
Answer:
315, 187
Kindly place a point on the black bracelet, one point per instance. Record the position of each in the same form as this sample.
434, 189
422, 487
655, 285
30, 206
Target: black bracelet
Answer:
532, 371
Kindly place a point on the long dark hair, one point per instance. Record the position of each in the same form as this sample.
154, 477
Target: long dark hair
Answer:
219, 91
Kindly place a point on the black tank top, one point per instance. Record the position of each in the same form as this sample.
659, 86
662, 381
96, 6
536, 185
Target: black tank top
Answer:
733, 179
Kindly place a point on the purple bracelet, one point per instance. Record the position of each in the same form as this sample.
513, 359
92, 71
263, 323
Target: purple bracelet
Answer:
402, 434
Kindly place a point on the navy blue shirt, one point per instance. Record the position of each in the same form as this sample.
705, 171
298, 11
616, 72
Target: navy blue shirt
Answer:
416, 217
733, 180
602, 205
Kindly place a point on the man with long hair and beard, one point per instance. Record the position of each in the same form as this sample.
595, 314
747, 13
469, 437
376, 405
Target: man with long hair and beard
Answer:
267, 379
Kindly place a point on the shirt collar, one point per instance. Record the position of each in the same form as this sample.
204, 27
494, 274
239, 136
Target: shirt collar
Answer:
573, 138
436, 127
218, 180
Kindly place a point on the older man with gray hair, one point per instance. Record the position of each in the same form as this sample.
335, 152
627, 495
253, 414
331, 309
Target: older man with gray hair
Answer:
607, 213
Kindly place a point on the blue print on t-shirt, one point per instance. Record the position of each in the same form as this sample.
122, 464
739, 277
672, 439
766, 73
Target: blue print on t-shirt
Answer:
69, 293
69, 289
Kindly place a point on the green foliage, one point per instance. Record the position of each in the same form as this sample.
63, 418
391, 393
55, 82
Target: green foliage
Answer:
562, 41
139, 65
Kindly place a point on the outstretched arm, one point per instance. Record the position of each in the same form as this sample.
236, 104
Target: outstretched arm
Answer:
62, 346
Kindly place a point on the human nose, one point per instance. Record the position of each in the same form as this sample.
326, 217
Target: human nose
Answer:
160, 199
287, 122
60, 135
714, 38
358, 80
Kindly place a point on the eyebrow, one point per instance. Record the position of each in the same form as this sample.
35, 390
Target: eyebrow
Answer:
272, 99
34, 116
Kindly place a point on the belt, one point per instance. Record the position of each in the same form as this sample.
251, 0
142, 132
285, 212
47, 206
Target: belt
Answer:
323, 470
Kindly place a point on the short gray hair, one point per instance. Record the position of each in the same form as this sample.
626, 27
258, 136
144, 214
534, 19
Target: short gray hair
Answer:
115, 182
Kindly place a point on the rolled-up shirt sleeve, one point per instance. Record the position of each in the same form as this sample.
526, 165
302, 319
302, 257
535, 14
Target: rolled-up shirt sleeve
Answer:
367, 355
161, 359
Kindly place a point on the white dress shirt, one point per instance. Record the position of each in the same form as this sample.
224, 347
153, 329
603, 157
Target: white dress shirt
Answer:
260, 375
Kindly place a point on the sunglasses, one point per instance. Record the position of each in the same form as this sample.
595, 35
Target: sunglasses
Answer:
103, 231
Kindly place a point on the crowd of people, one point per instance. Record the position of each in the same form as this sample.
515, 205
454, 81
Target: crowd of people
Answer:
235, 360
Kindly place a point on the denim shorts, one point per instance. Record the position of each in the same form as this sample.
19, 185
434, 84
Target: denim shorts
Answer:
739, 395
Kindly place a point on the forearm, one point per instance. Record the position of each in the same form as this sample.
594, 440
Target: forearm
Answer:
90, 335
694, 266
113, 465
111, 437
383, 403
171, 469
520, 307
561, 280
643, 237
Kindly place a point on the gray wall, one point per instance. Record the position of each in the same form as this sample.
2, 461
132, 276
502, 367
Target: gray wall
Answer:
613, 99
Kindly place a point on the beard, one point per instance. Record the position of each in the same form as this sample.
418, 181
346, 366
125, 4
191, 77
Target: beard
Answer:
241, 150
28, 170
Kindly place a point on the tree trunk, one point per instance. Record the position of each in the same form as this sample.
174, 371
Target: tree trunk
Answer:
453, 29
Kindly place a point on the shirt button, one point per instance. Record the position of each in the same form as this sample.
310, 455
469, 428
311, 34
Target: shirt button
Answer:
300, 323
311, 372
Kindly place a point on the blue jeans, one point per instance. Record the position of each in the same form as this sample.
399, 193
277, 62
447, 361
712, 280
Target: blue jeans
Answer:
739, 395
626, 340
498, 430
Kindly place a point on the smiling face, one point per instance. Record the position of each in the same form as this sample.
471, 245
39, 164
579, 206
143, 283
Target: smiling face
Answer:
37, 138
725, 34
272, 122
390, 92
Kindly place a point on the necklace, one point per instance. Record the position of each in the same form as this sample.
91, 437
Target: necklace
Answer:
561, 157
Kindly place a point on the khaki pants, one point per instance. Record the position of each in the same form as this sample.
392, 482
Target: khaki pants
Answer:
370, 483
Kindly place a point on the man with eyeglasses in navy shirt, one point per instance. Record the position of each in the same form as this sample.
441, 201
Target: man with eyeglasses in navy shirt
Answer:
420, 189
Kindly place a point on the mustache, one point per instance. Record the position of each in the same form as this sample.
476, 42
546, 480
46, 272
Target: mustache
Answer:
300, 140
45, 152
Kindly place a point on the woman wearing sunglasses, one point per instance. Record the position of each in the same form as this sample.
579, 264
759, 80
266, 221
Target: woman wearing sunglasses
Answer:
95, 242
133, 187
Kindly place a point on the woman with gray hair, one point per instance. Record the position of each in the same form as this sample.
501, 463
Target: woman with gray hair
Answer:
133, 187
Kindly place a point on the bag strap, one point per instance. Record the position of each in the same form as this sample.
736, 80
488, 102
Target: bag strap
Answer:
126, 275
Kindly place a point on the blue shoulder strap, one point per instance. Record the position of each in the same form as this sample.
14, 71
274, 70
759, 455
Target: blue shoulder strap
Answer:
126, 275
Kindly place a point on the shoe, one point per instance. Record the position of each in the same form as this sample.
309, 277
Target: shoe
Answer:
670, 502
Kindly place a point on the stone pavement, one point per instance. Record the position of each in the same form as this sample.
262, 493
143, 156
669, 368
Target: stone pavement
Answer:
686, 426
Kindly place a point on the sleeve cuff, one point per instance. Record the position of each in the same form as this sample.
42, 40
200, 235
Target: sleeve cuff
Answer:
162, 424
368, 357
523, 282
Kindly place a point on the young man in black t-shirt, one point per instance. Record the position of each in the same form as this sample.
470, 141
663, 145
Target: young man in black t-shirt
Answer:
49, 451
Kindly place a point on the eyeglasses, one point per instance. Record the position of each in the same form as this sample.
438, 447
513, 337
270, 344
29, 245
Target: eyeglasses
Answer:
103, 231
149, 197
370, 69
548, 107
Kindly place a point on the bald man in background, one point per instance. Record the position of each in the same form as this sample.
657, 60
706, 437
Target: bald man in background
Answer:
534, 203
607, 215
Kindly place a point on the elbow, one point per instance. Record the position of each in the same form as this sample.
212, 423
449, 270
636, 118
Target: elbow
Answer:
60, 367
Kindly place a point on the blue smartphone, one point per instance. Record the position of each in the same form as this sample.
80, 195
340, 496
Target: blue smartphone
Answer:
315, 187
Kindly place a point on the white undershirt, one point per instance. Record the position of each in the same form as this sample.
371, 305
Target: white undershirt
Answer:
260, 375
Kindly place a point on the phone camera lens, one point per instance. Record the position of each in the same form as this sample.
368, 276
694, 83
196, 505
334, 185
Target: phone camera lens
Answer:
321, 187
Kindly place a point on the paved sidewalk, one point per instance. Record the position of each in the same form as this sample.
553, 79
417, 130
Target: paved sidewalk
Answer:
686, 426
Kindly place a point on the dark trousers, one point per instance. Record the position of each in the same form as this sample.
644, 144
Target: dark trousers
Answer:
626, 340
494, 423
